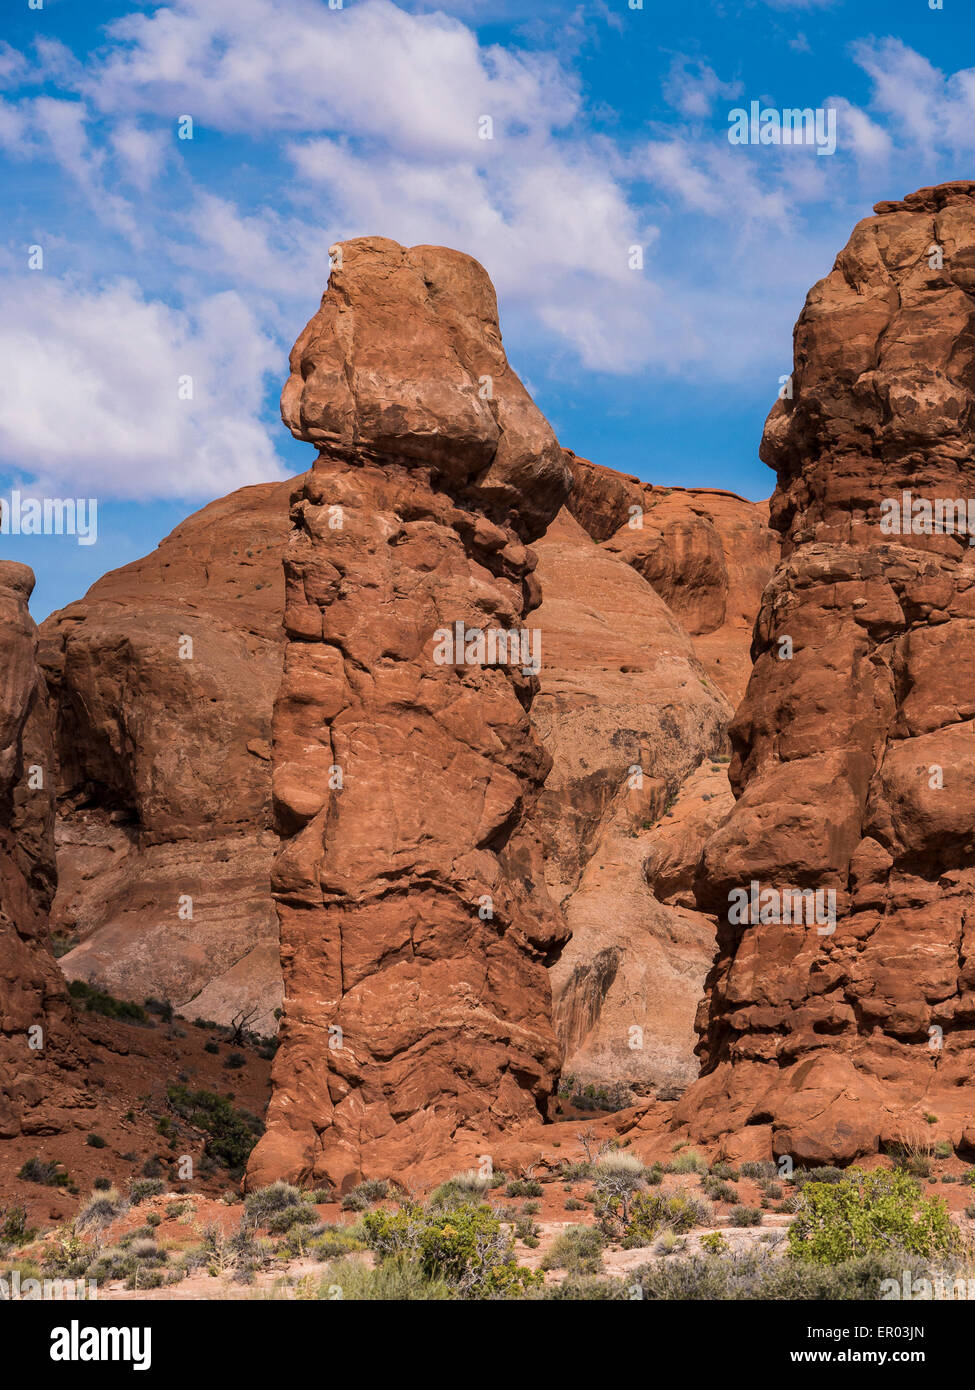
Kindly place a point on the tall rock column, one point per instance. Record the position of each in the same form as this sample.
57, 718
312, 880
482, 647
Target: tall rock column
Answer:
38, 1046
829, 1036
415, 925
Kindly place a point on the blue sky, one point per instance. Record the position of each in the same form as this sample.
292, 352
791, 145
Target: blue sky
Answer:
165, 258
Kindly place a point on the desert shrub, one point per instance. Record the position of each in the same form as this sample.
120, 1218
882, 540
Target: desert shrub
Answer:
870, 1213
234, 1061
331, 1241
618, 1161
829, 1174
745, 1216
95, 1141
523, 1187
714, 1243
573, 1204
101, 1210
652, 1211
462, 1187
231, 1134
266, 1202
96, 1001
44, 1171
527, 1231
758, 1275
759, 1172
13, 1226
724, 1171
142, 1188
467, 1247
577, 1250
396, 1280
367, 1192
719, 1191
301, 1215
688, 1162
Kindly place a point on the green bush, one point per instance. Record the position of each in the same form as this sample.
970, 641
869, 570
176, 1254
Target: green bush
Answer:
759, 1276
231, 1134
462, 1187
142, 1188
523, 1187
266, 1202
688, 1162
13, 1226
759, 1172
652, 1211
465, 1246
870, 1213
578, 1250
46, 1172
397, 1280
96, 1001
367, 1192
745, 1216
301, 1215
100, 1210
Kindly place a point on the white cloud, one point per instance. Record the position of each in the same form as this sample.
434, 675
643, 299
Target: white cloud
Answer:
693, 87
930, 111
858, 135
141, 154
418, 82
90, 389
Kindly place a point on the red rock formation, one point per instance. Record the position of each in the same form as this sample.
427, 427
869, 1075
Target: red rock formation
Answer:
627, 713
38, 1048
414, 919
707, 553
854, 760
165, 777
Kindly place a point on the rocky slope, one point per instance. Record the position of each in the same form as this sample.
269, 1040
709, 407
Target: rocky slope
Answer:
854, 763
40, 1054
162, 680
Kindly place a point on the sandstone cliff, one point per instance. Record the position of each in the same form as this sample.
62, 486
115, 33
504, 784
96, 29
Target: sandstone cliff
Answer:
162, 681
40, 1055
854, 762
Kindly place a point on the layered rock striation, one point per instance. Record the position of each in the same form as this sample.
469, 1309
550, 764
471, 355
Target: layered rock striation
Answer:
854, 748
415, 924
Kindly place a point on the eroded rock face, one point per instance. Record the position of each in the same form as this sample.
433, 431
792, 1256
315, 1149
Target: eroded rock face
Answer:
163, 680
39, 1052
707, 553
414, 919
627, 714
854, 763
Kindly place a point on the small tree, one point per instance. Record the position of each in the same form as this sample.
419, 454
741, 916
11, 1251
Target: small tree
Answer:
866, 1214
